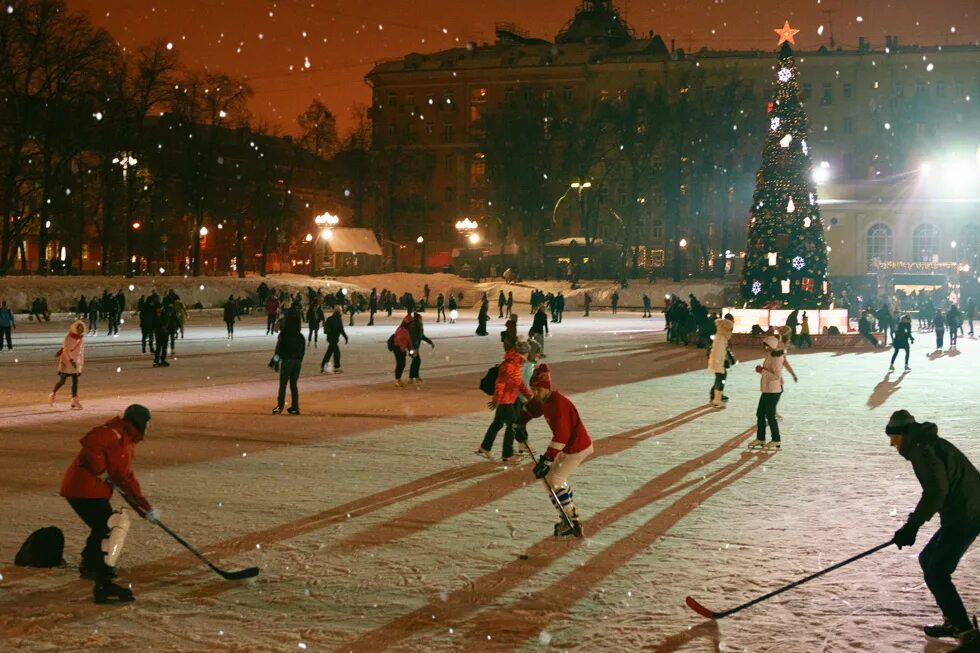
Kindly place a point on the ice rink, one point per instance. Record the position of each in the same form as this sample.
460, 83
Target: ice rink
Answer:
377, 528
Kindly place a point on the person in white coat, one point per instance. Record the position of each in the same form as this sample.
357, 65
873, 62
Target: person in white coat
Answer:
771, 384
719, 359
71, 358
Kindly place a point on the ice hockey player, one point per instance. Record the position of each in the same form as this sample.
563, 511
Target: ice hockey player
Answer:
570, 443
950, 486
107, 451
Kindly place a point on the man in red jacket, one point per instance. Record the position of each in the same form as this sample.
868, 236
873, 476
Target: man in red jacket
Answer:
570, 442
271, 314
509, 384
107, 455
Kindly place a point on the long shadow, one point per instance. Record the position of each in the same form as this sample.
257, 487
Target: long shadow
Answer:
885, 389
459, 604
530, 615
705, 630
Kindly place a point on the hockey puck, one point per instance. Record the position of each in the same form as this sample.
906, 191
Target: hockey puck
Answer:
523, 556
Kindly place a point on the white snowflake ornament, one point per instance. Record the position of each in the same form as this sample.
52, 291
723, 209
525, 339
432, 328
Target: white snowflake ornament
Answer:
756, 287
774, 123
798, 262
784, 74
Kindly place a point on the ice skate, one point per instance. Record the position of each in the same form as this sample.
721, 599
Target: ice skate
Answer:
277, 410
76, 404
399, 383
891, 368
338, 370
109, 592
908, 369
946, 629
514, 459
293, 411
757, 444
772, 445
484, 453
51, 398
563, 530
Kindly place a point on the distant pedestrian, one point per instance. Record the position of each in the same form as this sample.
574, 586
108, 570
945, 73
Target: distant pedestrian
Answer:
539, 327
440, 308
615, 301
314, 320
164, 327
93, 316
372, 306
7, 323
417, 330
588, 303
646, 306
399, 344
483, 316
804, 339
453, 309
939, 324
334, 328
501, 303
71, 359
510, 304
901, 340
290, 348
271, 314
230, 314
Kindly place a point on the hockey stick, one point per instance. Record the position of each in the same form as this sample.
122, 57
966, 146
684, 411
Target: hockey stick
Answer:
711, 614
242, 574
577, 530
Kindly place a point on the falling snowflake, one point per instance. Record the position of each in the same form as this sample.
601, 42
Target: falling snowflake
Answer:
774, 123
784, 74
756, 287
798, 262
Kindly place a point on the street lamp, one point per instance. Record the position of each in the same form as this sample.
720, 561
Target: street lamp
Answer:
326, 233
474, 238
421, 241
203, 232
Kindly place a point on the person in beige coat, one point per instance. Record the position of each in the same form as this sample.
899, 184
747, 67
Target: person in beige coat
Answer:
719, 359
71, 358
771, 384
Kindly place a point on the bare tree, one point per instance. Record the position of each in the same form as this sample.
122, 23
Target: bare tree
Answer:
319, 130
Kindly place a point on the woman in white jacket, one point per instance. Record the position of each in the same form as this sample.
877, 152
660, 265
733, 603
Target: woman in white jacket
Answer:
771, 384
71, 358
719, 358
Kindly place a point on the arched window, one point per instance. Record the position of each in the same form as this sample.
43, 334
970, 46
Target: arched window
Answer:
880, 244
925, 243
969, 244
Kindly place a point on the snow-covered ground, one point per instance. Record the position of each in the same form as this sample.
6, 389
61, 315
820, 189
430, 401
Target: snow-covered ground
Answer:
62, 293
376, 528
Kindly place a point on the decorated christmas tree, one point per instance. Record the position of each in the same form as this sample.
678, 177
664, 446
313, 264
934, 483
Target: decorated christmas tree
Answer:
786, 256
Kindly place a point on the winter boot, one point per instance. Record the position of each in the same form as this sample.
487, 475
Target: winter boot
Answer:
76, 404
716, 399
86, 574
105, 591
757, 444
51, 398
946, 629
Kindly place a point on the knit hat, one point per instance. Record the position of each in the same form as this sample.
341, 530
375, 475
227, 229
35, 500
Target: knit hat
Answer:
137, 415
77, 327
541, 378
771, 341
522, 348
899, 421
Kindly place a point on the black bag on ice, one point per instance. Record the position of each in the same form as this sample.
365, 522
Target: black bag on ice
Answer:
489, 380
44, 547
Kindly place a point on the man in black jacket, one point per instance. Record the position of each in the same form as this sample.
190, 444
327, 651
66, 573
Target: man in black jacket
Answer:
951, 487
334, 327
290, 348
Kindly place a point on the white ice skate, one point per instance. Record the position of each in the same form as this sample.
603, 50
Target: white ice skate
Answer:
772, 445
76, 404
757, 444
51, 398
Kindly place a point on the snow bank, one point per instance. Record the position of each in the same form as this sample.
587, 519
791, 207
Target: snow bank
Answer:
62, 293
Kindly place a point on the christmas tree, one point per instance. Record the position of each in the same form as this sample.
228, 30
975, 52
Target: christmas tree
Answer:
786, 256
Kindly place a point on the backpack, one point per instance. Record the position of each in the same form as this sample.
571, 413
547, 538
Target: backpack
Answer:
391, 342
489, 380
43, 548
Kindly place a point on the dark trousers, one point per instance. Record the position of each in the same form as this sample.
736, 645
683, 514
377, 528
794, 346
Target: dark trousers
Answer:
504, 416
161, 353
371, 316
971, 325
719, 384
95, 513
314, 333
939, 559
805, 340
952, 336
231, 329
5, 335
766, 412
333, 348
870, 338
62, 377
415, 366
399, 362
587, 310
147, 336
898, 349
113, 323
289, 370
939, 338
440, 313
270, 323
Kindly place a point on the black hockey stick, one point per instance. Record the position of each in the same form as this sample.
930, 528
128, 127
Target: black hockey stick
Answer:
711, 614
576, 529
242, 574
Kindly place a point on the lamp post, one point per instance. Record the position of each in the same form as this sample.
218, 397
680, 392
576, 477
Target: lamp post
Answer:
421, 241
325, 234
126, 161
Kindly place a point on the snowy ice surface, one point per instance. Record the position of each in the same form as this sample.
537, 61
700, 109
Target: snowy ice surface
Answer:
376, 528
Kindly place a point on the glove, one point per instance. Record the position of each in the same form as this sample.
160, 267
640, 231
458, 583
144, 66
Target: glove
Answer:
758, 369
520, 433
905, 536
153, 516
543, 467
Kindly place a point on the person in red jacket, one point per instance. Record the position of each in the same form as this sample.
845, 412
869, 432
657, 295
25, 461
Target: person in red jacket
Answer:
509, 384
271, 314
570, 442
107, 456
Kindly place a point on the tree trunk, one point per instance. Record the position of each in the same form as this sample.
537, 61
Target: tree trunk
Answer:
240, 243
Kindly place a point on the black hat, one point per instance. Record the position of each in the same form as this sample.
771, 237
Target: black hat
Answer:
899, 421
137, 415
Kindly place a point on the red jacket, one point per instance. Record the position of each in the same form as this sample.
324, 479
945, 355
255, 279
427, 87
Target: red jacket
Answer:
403, 337
510, 380
107, 451
272, 306
568, 434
